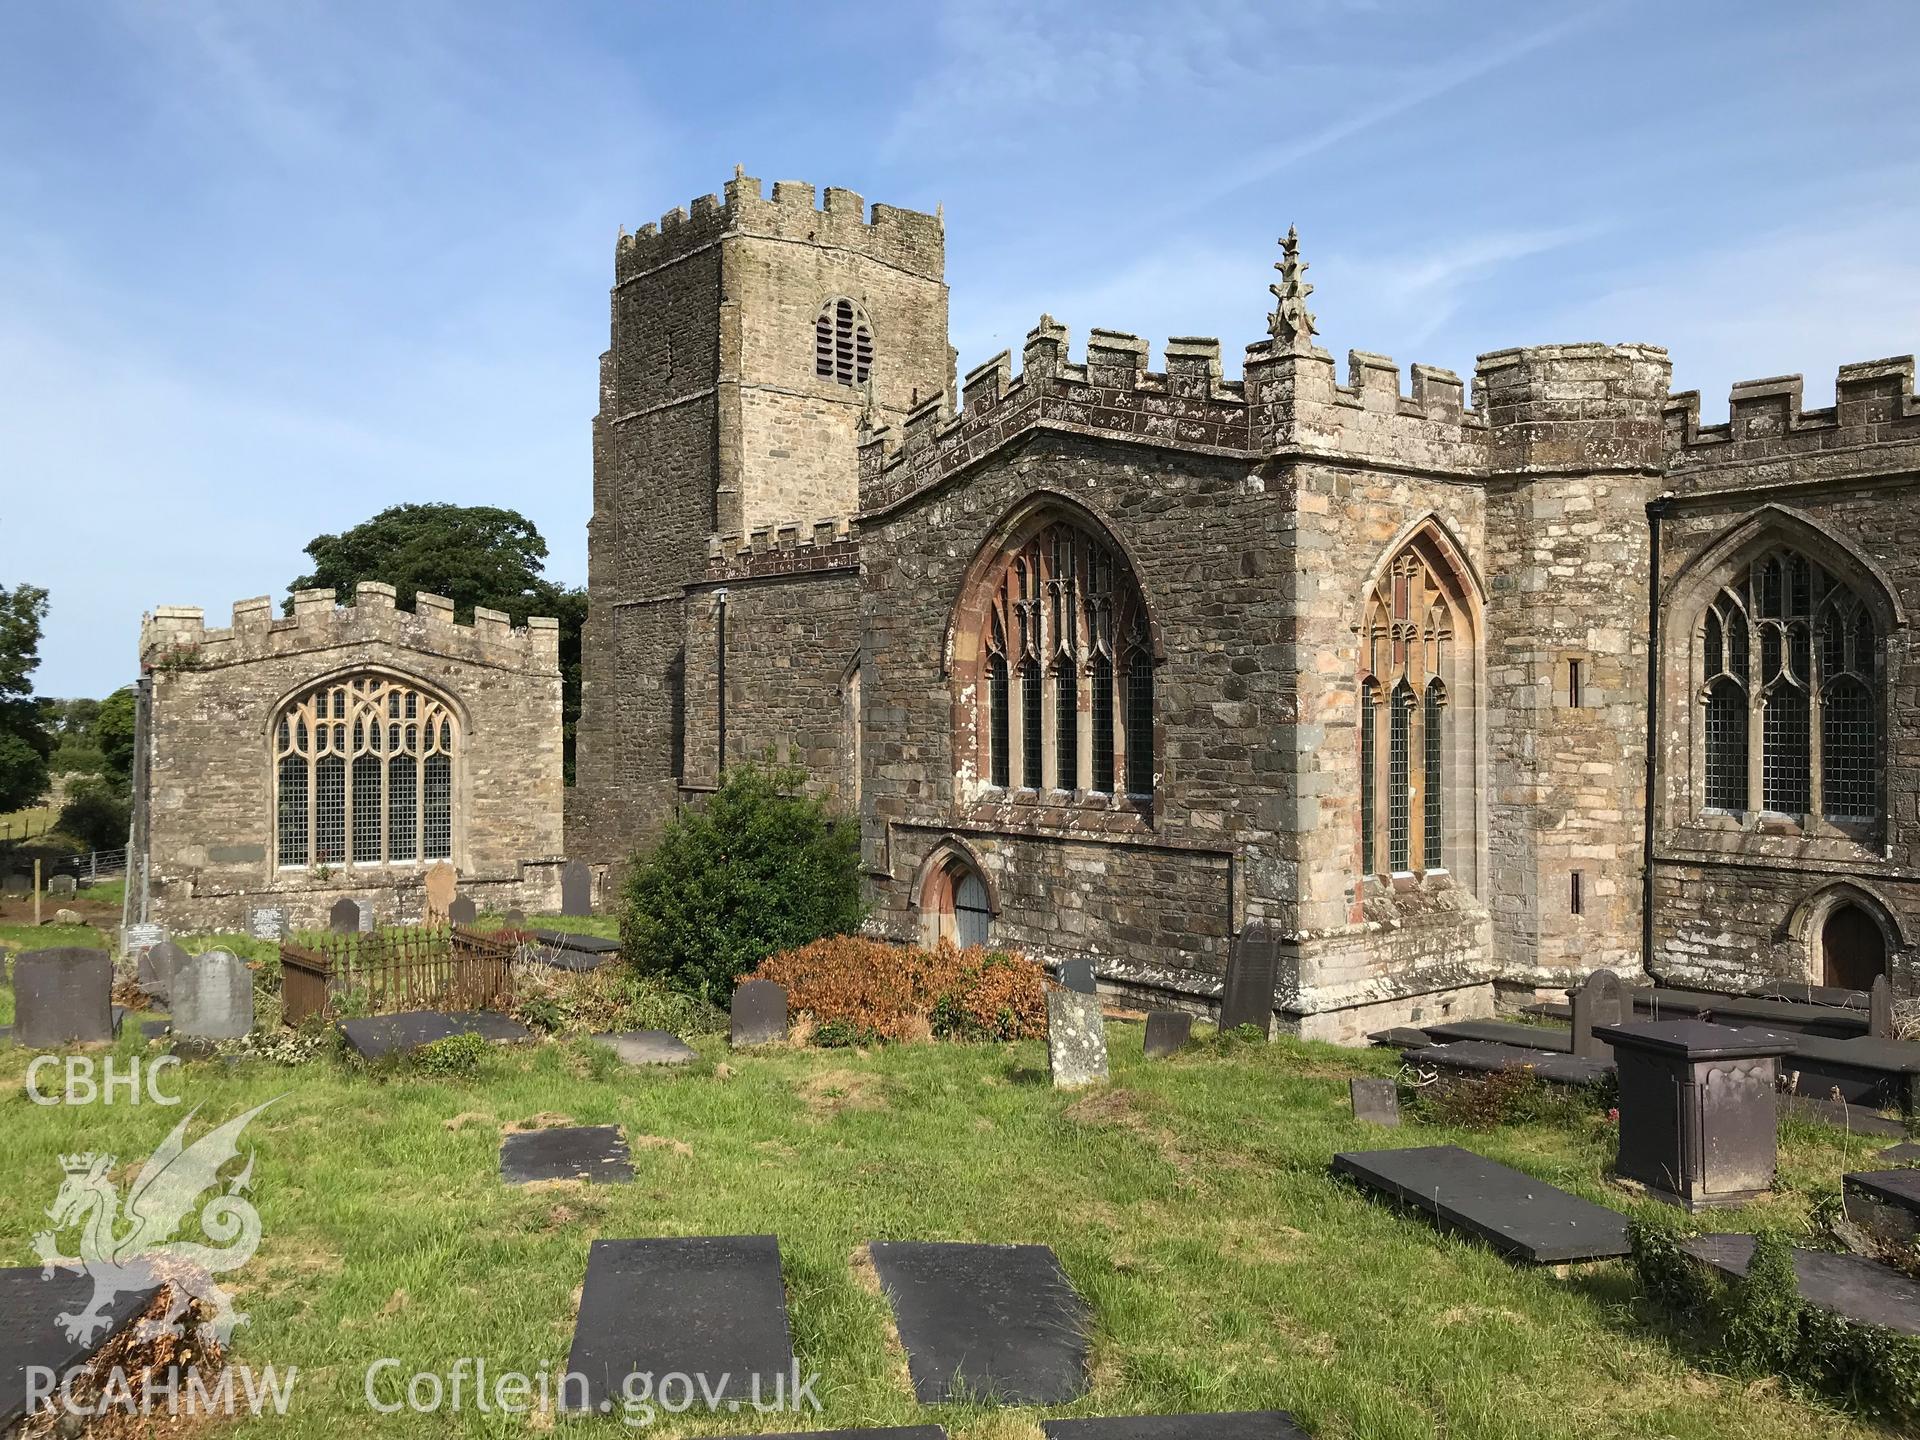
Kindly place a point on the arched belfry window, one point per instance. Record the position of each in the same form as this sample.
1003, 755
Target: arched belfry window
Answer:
363, 775
1417, 653
1790, 694
1063, 700
842, 343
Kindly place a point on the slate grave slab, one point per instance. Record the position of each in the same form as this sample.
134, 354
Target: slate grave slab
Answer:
1867, 1070
1808, 994
1401, 1037
576, 888
212, 997
1483, 1057
1505, 1032
1854, 1119
1905, 1153
889, 1432
1791, 1015
155, 1029
1253, 971
1167, 1032
594, 1153
155, 969
977, 1320
31, 1336
582, 944
1521, 1217
62, 996
1078, 975
1884, 1203
269, 922
1238, 1425
1076, 1039
1598, 1000
759, 1013
649, 1047
462, 911
1860, 1289
374, 1037
1376, 1100
707, 1305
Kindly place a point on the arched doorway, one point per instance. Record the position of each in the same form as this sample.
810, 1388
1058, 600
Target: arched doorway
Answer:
971, 914
1853, 948
956, 902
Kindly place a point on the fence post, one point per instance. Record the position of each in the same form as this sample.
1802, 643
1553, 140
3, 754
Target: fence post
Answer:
36, 892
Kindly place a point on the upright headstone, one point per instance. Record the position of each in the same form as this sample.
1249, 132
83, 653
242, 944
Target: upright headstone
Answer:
62, 997
62, 887
440, 883
156, 967
1078, 975
1076, 1040
576, 888
212, 997
1880, 1008
759, 1013
344, 916
1598, 1000
515, 919
1376, 1100
1253, 970
1167, 1031
462, 911
136, 938
268, 922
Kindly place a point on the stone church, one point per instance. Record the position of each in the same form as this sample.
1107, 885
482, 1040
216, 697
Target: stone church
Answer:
1453, 698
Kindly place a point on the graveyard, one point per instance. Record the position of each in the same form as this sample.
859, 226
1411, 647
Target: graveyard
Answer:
1191, 1243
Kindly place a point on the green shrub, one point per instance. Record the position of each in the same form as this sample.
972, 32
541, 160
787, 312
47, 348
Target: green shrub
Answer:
1759, 1325
757, 869
455, 1057
612, 998
96, 813
1506, 1097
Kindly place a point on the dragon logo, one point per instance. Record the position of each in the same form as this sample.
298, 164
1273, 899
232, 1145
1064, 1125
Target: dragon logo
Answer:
134, 1249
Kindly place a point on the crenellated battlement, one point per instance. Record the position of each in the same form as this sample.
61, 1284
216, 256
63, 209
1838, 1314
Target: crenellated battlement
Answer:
791, 549
913, 241
176, 637
1874, 402
1110, 392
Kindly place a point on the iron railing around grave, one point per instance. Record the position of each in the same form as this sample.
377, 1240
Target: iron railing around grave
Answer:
428, 967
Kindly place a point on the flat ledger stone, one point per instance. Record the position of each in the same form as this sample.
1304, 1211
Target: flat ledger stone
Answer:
1504, 1032
986, 1320
649, 1047
1860, 1289
33, 1337
709, 1305
1235, 1425
1521, 1217
374, 1037
594, 1153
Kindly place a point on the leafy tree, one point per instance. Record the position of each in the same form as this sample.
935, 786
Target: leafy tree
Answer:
24, 740
759, 868
112, 733
97, 813
475, 555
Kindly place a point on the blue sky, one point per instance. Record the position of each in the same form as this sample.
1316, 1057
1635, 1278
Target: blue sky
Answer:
266, 268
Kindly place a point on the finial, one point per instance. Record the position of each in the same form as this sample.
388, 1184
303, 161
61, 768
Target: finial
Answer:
867, 417
739, 172
1291, 323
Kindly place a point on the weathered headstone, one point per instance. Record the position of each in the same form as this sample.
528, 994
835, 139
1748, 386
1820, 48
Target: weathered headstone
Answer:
1078, 975
212, 997
1253, 970
63, 887
1598, 1000
462, 911
439, 885
136, 938
156, 968
1376, 1100
648, 1047
343, 917
62, 996
1076, 1040
515, 919
759, 1013
576, 888
268, 922
1167, 1031
1880, 1008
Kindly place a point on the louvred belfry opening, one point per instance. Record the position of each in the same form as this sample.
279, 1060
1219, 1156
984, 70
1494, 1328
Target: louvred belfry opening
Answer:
842, 344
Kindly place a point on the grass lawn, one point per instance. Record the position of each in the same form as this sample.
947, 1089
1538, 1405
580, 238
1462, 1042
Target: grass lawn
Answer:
1189, 1201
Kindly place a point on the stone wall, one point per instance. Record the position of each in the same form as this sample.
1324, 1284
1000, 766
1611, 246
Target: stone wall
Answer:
218, 692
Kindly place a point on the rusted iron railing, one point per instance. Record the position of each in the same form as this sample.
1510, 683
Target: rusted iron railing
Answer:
429, 967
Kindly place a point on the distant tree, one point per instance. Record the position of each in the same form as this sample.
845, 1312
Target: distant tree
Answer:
25, 741
97, 812
112, 733
69, 717
475, 555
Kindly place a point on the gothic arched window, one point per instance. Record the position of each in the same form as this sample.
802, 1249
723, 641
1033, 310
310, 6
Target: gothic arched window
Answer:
363, 775
1790, 691
842, 343
1416, 649
1061, 615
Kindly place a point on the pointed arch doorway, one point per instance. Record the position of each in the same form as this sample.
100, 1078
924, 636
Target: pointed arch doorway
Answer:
1853, 948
